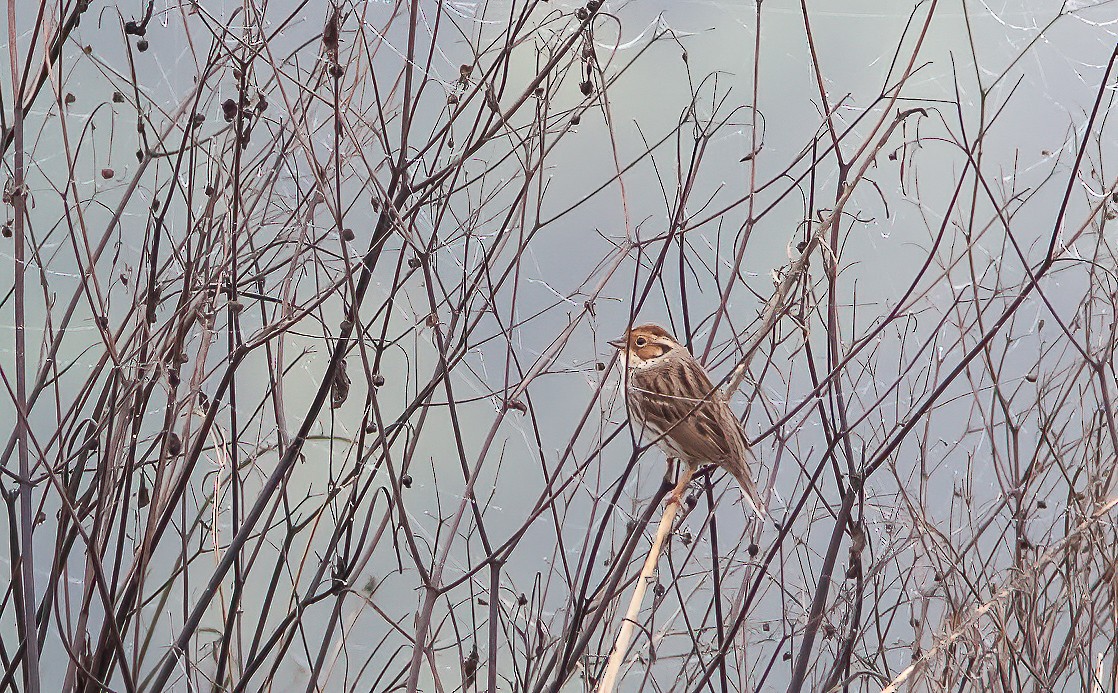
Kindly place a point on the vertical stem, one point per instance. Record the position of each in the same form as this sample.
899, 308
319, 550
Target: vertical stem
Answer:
621, 645
26, 511
815, 614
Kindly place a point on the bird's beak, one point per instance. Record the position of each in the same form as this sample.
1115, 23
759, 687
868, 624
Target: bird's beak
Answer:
618, 344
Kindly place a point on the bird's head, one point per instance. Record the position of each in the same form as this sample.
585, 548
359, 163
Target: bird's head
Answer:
645, 344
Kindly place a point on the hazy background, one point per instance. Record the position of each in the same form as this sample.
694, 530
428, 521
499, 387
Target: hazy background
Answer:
1021, 77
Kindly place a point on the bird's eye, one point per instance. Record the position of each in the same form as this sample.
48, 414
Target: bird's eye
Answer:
641, 341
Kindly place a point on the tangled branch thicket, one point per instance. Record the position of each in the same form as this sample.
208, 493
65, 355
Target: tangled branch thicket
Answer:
306, 369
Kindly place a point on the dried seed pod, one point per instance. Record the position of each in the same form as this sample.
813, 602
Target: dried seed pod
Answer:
331, 32
229, 110
339, 386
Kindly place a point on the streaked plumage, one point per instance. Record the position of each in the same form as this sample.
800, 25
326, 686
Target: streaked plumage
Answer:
673, 403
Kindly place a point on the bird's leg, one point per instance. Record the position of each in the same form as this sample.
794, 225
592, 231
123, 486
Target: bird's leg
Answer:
685, 474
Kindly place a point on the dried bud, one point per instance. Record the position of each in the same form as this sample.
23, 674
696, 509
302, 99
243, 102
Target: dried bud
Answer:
405, 480
587, 88
174, 444
347, 234
118, 97
229, 110
582, 14
107, 173
142, 45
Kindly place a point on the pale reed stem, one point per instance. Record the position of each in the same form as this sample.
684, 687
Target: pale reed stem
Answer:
621, 645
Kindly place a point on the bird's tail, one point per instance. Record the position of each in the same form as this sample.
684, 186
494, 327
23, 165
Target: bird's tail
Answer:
741, 473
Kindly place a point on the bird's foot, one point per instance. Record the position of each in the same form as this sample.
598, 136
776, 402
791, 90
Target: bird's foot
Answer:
674, 497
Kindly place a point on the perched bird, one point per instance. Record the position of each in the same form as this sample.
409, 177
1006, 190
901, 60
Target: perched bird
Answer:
675, 405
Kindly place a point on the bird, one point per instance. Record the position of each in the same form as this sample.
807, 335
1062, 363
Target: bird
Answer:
671, 398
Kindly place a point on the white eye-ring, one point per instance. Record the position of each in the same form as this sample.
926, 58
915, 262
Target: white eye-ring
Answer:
641, 341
